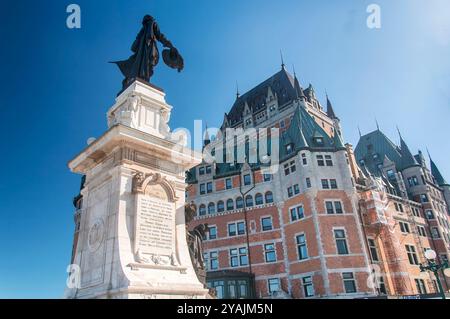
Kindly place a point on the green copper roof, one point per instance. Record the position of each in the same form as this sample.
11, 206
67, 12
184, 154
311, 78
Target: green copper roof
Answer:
437, 174
372, 148
408, 159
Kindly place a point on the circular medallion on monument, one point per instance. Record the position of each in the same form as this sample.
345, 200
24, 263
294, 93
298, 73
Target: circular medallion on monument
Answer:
95, 236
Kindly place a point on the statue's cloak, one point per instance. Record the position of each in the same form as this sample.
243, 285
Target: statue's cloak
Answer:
146, 55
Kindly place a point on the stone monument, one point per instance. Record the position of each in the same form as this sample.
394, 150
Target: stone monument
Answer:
132, 237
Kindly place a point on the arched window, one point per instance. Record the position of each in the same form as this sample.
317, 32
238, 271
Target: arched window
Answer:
259, 199
202, 210
239, 203
249, 201
269, 197
230, 204
220, 206
211, 208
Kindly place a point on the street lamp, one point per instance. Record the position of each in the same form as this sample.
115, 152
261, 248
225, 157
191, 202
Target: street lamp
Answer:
432, 266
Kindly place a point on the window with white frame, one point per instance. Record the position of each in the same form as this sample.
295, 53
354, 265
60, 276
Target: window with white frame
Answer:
266, 223
421, 230
373, 249
269, 253
404, 227
212, 232
297, 213
273, 285
235, 229
304, 160
349, 282
238, 257
302, 247
333, 207
341, 242
412, 255
308, 286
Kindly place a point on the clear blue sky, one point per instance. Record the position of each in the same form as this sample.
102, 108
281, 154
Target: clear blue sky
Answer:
56, 87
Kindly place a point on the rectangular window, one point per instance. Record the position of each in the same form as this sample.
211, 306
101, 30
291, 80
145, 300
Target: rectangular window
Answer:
296, 189
373, 249
328, 160
301, 247
341, 242
290, 191
274, 285
269, 253
286, 169
421, 230
325, 184
201, 170
308, 182
266, 223
293, 168
208, 169
320, 161
213, 260
228, 184
232, 230
212, 231
435, 232
247, 179
424, 198
308, 287
267, 177
333, 184
333, 207
202, 189
349, 282
330, 208
429, 214
404, 227
338, 207
304, 160
390, 174
238, 257
420, 285
412, 256
297, 213
209, 187
241, 228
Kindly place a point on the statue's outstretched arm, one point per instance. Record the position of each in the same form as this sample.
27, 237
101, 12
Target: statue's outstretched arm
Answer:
160, 37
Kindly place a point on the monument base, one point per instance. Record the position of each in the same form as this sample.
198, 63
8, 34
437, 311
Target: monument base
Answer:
132, 234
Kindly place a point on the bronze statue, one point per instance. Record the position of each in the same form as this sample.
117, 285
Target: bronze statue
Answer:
146, 56
195, 239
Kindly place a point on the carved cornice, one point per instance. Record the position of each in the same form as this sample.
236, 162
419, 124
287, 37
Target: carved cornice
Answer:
141, 181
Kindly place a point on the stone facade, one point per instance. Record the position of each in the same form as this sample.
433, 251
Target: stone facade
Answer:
130, 239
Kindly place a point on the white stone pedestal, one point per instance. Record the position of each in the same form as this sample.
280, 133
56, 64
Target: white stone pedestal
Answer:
132, 240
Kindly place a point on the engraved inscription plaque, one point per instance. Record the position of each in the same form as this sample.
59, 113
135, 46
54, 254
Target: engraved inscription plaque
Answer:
155, 227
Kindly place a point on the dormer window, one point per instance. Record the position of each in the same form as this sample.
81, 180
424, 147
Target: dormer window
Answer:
289, 149
375, 156
272, 108
318, 140
248, 121
362, 162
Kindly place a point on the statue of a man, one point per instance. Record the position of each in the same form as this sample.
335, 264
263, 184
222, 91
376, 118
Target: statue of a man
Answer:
146, 56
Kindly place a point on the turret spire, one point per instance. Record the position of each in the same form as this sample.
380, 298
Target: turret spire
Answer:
330, 110
282, 60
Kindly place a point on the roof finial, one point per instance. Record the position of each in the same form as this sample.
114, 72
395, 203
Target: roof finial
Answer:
398, 130
293, 69
378, 126
237, 90
282, 60
359, 131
